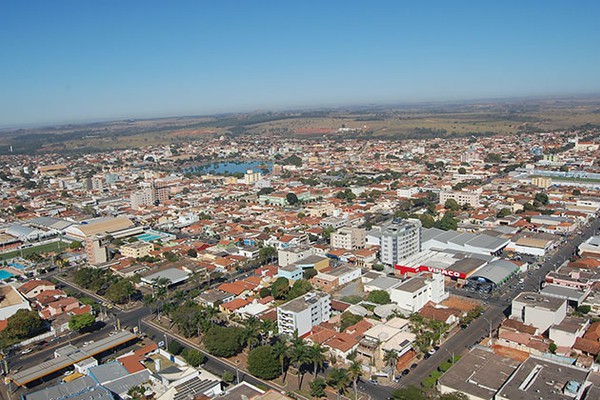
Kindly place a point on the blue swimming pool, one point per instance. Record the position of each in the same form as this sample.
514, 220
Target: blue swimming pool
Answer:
4, 274
148, 237
16, 265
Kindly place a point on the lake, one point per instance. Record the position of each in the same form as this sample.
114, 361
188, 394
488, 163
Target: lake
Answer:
221, 168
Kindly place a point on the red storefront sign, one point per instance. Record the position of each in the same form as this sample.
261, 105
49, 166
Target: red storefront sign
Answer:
422, 268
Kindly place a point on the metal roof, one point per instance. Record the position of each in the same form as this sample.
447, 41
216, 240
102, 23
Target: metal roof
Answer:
496, 271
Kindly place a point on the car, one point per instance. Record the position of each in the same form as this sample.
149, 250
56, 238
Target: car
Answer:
427, 355
373, 381
405, 372
397, 378
112, 333
27, 351
436, 348
69, 373
413, 366
431, 352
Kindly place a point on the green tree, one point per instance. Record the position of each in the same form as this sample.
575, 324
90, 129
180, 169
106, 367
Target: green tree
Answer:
293, 160
552, 347
451, 204
493, 158
280, 351
291, 198
348, 319
354, 373
75, 245
462, 170
454, 396
264, 292
316, 354
391, 359
120, 292
175, 347
379, 297
448, 222
426, 220
228, 376
193, 357
317, 388
584, 309
576, 192
309, 273
280, 288
298, 355
338, 379
81, 322
299, 288
541, 198
263, 363
23, 324
224, 341
266, 254
192, 253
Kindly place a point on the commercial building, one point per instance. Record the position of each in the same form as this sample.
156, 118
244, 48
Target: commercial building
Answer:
434, 238
348, 238
538, 310
415, 292
479, 374
304, 312
399, 240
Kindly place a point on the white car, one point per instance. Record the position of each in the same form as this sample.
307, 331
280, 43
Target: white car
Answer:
431, 352
69, 373
27, 351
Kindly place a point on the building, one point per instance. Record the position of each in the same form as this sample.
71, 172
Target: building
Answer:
542, 182
141, 198
540, 378
399, 240
34, 287
290, 255
479, 374
304, 312
538, 310
332, 278
251, 177
462, 198
12, 301
348, 238
415, 292
137, 249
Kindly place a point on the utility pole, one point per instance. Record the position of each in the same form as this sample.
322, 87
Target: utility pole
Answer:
490, 326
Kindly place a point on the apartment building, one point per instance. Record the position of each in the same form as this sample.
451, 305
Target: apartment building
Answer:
399, 240
304, 312
136, 249
462, 198
538, 310
348, 238
414, 293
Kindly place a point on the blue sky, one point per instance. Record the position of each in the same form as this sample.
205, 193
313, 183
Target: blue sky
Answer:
65, 61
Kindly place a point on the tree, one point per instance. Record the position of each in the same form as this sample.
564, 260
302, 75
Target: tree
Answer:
309, 273
75, 245
576, 192
354, 373
224, 341
584, 309
81, 322
23, 324
552, 347
264, 292
541, 198
170, 256
299, 288
338, 379
265, 191
379, 297
266, 254
293, 160
175, 347
504, 212
316, 354
263, 363
291, 198
493, 158
120, 292
447, 223
451, 204
391, 358
462, 170
317, 388
192, 253
228, 376
348, 319
408, 393
426, 220
193, 357
280, 351
280, 288
298, 355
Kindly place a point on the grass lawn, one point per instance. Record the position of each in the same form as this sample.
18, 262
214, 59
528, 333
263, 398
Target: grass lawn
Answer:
45, 248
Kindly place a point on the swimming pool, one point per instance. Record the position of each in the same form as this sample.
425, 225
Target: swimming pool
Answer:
16, 265
4, 274
148, 237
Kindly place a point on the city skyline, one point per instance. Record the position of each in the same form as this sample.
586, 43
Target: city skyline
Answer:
73, 62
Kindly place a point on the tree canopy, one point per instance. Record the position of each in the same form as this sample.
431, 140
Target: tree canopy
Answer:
81, 322
379, 297
224, 341
263, 363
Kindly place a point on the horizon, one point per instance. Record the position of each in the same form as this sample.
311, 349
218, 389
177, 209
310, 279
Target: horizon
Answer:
77, 63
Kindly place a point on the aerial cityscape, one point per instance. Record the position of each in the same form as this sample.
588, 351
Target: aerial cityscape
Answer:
270, 201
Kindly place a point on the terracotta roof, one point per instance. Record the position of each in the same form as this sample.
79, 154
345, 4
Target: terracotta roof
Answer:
339, 305
593, 332
132, 363
235, 304
342, 341
518, 326
587, 346
30, 285
144, 350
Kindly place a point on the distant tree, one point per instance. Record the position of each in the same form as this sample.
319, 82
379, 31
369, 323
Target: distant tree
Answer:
451, 204
338, 380
81, 322
75, 245
504, 212
291, 198
293, 160
263, 363
309, 273
493, 158
379, 297
462, 170
454, 396
317, 388
447, 223
192, 253
264, 292
265, 191
552, 347
170, 256
228, 376
348, 319
541, 198
175, 347
299, 288
280, 288
426, 220
24, 324
121, 291
584, 309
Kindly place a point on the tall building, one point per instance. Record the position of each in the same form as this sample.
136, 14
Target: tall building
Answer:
96, 248
304, 312
251, 177
141, 198
460, 197
400, 239
349, 238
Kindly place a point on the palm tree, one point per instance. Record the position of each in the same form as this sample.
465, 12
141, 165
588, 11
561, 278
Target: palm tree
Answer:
354, 373
252, 331
390, 359
281, 350
338, 379
298, 355
316, 353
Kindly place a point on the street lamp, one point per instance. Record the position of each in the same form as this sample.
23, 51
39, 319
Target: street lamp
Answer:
490, 325
451, 355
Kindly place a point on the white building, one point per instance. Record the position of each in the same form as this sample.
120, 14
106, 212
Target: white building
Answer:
304, 312
417, 291
348, 238
461, 198
290, 255
251, 177
400, 240
538, 310
12, 301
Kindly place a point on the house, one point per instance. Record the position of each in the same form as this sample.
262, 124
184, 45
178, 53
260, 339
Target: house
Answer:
11, 302
34, 287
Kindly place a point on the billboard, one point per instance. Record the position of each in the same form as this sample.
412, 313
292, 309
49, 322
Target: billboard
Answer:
423, 268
